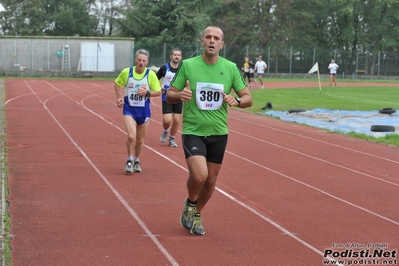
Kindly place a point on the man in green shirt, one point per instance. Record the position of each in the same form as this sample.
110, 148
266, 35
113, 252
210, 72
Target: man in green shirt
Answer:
203, 84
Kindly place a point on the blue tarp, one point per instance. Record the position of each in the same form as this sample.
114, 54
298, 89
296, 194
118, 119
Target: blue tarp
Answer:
341, 120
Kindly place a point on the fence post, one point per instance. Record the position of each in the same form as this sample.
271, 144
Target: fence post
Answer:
48, 54
379, 62
290, 59
314, 55
164, 52
15, 53
268, 60
31, 53
132, 55
357, 61
224, 50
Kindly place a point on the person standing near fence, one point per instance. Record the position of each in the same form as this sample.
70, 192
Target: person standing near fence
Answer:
134, 86
246, 69
260, 68
203, 83
171, 112
333, 67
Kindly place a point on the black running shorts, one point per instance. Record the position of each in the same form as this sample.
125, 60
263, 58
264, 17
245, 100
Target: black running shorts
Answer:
172, 108
211, 147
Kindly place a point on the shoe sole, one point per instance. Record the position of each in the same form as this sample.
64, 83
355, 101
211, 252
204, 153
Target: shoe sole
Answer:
194, 234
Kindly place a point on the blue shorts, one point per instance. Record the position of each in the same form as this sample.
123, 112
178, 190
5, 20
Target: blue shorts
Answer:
129, 111
211, 147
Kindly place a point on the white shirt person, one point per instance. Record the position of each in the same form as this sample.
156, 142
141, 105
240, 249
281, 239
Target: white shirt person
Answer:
333, 67
260, 68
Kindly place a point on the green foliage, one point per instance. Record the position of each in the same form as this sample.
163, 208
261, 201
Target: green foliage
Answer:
389, 139
23, 18
67, 18
346, 25
45, 17
153, 21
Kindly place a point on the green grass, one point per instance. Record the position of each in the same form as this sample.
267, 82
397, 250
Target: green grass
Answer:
333, 98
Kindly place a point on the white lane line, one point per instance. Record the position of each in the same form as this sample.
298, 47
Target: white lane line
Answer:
317, 140
317, 189
269, 169
116, 193
316, 158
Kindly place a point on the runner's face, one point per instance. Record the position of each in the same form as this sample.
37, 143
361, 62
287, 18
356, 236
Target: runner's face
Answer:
212, 41
141, 61
176, 57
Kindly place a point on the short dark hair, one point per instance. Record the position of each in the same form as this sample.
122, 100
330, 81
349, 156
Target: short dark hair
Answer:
175, 49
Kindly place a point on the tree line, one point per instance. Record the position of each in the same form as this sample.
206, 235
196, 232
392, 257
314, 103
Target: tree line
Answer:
347, 25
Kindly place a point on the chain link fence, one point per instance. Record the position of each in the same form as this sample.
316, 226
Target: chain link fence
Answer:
113, 54
293, 60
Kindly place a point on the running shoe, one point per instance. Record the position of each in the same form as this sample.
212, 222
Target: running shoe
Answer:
163, 137
262, 87
197, 228
172, 143
129, 167
187, 216
136, 167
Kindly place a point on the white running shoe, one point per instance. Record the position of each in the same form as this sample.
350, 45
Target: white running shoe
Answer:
163, 137
129, 167
172, 143
137, 167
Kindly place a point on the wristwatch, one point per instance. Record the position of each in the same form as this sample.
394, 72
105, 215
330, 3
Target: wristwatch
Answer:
238, 99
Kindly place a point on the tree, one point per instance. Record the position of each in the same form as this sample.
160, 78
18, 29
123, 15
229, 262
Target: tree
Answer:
163, 21
103, 13
23, 18
68, 18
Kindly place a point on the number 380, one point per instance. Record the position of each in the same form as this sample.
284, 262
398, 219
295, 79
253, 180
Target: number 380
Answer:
210, 96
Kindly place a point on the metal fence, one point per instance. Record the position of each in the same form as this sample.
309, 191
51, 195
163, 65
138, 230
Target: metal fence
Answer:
294, 60
65, 53
71, 53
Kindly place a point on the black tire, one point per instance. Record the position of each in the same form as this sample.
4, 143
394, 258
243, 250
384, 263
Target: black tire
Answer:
387, 110
382, 128
296, 110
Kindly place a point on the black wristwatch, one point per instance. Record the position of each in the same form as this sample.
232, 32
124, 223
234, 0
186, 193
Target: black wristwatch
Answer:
238, 99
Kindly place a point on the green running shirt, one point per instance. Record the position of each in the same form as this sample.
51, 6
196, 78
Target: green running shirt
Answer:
206, 114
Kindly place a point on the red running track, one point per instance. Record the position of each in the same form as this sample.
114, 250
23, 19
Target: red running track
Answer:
286, 194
